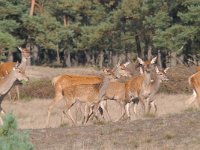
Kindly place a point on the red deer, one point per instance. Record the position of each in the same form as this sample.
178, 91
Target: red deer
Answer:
125, 92
154, 87
6, 68
6, 84
87, 89
76, 89
194, 82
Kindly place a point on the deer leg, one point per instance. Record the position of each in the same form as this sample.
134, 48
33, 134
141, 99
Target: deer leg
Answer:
192, 98
127, 108
135, 104
9, 95
123, 112
154, 105
51, 106
143, 104
94, 112
87, 111
17, 91
103, 105
2, 112
67, 110
149, 105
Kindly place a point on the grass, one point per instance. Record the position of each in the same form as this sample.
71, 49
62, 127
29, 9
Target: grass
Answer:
191, 109
98, 122
63, 125
149, 115
169, 136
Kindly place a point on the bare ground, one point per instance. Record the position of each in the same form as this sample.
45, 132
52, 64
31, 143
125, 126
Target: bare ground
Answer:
173, 127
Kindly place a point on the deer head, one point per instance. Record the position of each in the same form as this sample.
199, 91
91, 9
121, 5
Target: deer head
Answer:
19, 74
25, 52
118, 71
147, 66
162, 74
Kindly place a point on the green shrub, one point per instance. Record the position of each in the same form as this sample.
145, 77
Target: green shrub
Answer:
11, 138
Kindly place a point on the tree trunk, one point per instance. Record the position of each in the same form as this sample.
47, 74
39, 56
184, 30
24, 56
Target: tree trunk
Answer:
149, 53
88, 58
57, 56
93, 60
65, 20
149, 47
159, 59
34, 54
32, 8
138, 46
101, 59
114, 59
173, 59
67, 59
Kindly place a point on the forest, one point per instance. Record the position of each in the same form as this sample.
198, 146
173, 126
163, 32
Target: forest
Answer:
70, 33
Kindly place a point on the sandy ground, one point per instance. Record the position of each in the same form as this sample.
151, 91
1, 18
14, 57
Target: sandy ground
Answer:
32, 114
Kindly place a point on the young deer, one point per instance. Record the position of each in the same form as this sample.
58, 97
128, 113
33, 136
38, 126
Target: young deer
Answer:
6, 84
6, 68
154, 87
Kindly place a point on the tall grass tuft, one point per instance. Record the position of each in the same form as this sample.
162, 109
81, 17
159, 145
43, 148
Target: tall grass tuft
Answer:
11, 138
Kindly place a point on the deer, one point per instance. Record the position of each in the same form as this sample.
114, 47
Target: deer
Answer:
7, 83
160, 76
120, 70
88, 92
194, 82
122, 92
73, 88
6, 68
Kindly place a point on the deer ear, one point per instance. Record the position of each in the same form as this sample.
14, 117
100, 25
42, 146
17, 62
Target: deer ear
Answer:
157, 70
140, 60
153, 60
20, 48
141, 70
126, 64
166, 69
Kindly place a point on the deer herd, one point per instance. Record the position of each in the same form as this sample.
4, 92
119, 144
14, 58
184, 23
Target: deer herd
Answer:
116, 84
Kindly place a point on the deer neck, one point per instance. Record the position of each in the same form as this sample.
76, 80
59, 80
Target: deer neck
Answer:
103, 87
22, 66
7, 83
156, 83
147, 78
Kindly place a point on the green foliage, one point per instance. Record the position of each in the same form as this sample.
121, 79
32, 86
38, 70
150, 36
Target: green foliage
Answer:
95, 25
10, 138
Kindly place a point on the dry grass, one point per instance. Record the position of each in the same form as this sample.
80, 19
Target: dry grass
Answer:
32, 114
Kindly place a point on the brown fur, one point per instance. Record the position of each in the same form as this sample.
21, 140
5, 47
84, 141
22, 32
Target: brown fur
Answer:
73, 88
194, 81
197, 68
